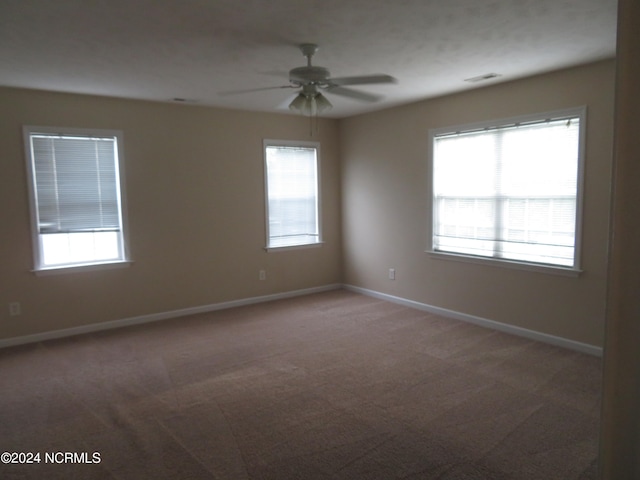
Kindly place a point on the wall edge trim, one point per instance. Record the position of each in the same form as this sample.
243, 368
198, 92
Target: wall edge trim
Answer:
155, 317
484, 322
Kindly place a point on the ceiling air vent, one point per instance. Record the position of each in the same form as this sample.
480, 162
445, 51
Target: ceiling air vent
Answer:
482, 78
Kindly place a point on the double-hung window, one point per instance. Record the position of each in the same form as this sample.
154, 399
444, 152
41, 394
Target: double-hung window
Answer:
292, 180
77, 212
510, 190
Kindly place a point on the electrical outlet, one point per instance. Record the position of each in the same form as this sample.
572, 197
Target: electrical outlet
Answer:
262, 275
15, 309
392, 274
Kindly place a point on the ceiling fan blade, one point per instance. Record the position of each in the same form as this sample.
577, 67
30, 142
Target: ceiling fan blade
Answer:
250, 90
354, 94
363, 80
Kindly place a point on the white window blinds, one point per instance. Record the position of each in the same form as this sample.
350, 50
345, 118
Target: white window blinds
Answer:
509, 192
76, 198
292, 195
76, 183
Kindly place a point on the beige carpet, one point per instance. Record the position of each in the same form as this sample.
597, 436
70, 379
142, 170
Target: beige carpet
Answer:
329, 386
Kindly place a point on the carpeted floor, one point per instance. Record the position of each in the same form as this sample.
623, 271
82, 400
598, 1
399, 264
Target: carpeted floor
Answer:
329, 386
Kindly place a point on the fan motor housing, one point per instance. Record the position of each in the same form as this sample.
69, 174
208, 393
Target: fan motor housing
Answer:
309, 74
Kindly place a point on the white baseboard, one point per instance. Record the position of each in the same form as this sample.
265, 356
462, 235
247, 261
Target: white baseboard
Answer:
154, 317
483, 322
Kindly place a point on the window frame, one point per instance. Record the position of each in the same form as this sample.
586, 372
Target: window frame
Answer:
39, 268
301, 144
576, 268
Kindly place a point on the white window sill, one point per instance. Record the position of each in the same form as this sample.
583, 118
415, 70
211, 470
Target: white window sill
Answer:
513, 264
85, 267
293, 247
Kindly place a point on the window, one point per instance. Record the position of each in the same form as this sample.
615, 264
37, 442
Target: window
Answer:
510, 190
76, 198
292, 188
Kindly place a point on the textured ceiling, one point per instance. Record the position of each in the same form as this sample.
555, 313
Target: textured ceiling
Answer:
196, 49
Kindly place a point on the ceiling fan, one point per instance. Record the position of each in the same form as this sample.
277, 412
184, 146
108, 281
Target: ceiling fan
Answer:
312, 80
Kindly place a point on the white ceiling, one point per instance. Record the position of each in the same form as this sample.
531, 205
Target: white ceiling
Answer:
196, 49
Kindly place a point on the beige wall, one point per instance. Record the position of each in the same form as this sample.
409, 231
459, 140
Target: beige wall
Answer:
195, 191
386, 211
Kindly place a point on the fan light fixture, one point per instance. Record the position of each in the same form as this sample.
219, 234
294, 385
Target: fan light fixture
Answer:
310, 105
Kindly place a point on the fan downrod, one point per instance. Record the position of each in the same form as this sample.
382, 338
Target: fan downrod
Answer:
308, 50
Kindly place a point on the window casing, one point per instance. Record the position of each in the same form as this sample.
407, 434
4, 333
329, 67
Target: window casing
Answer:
77, 202
292, 185
510, 190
